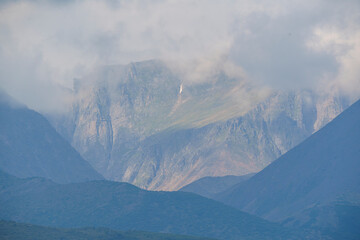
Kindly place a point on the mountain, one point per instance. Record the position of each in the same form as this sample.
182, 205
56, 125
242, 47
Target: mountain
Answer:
144, 124
172, 159
122, 206
210, 186
335, 220
317, 183
30, 146
22, 231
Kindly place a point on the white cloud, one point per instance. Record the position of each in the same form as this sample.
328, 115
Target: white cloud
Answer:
344, 45
45, 44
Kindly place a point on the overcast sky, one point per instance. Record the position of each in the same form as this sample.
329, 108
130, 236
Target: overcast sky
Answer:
278, 43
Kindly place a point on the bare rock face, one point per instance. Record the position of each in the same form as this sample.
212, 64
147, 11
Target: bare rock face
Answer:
142, 124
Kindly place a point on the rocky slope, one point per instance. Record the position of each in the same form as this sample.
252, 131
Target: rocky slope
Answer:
134, 124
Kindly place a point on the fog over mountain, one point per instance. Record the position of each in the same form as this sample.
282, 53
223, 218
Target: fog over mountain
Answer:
297, 44
133, 124
165, 95
259, 75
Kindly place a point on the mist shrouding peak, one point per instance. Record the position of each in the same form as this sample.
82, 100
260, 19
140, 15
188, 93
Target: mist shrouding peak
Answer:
44, 45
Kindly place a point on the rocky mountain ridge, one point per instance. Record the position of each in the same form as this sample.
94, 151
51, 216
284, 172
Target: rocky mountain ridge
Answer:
133, 123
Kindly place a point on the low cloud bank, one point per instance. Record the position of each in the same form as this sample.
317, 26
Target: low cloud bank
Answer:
44, 45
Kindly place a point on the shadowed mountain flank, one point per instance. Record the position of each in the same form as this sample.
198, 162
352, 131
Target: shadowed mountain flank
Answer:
122, 206
317, 179
31, 147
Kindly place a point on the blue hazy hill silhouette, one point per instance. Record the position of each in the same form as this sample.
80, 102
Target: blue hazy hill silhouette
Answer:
30, 146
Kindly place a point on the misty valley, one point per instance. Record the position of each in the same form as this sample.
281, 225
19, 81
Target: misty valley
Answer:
179, 120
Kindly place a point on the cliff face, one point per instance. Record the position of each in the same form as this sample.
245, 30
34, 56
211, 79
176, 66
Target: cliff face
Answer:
141, 124
169, 160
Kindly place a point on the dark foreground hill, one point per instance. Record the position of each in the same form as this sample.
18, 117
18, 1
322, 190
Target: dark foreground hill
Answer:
30, 146
122, 206
210, 186
316, 184
21, 231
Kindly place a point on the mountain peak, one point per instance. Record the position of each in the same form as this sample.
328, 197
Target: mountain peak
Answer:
30, 146
318, 171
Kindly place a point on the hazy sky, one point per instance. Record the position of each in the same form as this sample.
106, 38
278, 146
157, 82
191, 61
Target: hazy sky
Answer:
278, 43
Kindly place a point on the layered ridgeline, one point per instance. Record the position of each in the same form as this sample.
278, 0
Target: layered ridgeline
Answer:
143, 124
122, 206
211, 186
20, 231
30, 146
316, 184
